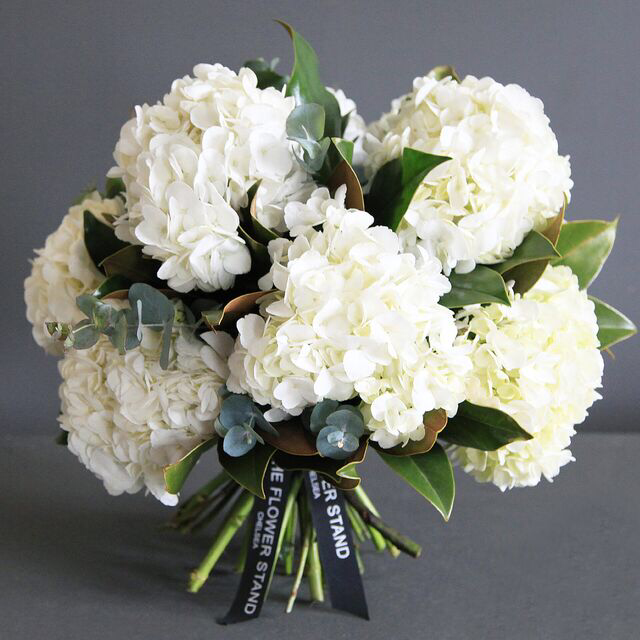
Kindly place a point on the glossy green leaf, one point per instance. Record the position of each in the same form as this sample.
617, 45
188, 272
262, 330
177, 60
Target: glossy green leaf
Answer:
266, 73
129, 262
480, 286
307, 87
534, 247
291, 437
62, 438
584, 246
482, 428
430, 474
175, 475
248, 470
111, 285
114, 187
395, 184
225, 318
100, 239
342, 173
613, 326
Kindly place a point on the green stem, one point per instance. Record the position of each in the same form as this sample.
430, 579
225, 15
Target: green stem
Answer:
195, 504
359, 560
306, 532
315, 571
358, 526
230, 526
376, 537
244, 548
395, 537
219, 502
290, 540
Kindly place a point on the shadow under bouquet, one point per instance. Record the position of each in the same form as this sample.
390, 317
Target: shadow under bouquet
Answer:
268, 278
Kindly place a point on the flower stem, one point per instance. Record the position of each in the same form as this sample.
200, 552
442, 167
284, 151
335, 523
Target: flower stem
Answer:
377, 538
395, 537
315, 571
244, 548
219, 501
290, 540
306, 532
358, 526
230, 526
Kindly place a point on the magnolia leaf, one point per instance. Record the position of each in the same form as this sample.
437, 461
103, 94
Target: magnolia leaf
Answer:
100, 239
613, 326
225, 318
395, 184
340, 473
62, 438
129, 262
480, 286
248, 470
434, 422
266, 73
258, 231
482, 428
444, 71
344, 174
176, 474
306, 86
526, 274
292, 438
258, 251
534, 247
114, 187
430, 474
584, 246
113, 287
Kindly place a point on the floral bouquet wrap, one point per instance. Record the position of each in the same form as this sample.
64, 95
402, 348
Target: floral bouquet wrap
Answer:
268, 277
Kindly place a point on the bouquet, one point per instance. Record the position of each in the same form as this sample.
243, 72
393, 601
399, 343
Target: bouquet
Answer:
269, 277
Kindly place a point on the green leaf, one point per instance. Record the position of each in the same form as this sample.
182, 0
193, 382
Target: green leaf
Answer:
444, 71
292, 438
111, 285
239, 440
62, 438
526, 274
129, 262
176, 474
430, 474
480, 286
395, 184
225, 318
306, 122
482, 428
305, 83
534, 247
85, 335
100, 239
113, 187
434, 422
613, 326
338, 165
584, 246
266, 73
248, 470
320, 413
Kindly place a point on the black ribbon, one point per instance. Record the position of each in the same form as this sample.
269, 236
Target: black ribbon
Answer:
266, 525
337, 553
335, 546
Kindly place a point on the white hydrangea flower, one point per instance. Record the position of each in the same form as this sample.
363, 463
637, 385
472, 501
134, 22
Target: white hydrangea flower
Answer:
353, 317
188, 163
538, 361
127, 418
505, 177
356, 126
63, 270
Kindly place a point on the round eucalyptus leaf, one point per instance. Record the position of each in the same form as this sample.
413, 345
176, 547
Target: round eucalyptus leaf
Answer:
238, 441
236, 410
334, 443
347, 420
320, 413
85, 335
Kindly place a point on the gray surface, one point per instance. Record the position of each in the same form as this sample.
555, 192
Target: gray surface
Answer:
71, 72
556, 562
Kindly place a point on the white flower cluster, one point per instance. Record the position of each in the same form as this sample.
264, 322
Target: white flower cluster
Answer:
188, 163
127, 418
539, 362
63, 270
504, 178
353, 316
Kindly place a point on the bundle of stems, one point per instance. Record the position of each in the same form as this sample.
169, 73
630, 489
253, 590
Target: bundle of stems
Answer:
222, 496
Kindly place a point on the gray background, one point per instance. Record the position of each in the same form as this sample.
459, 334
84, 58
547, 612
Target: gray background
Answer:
71, 72
557, 561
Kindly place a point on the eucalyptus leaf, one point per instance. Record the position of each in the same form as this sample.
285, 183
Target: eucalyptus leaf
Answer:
613, 326
347, 420
238, 441
584, 246
430, 474
176, 474
482, 428
306, 86
480, 286
306, 122
395, 184
85, 335
248, 470
336, 443
100, 239
152, 306
320, 414
236, 409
